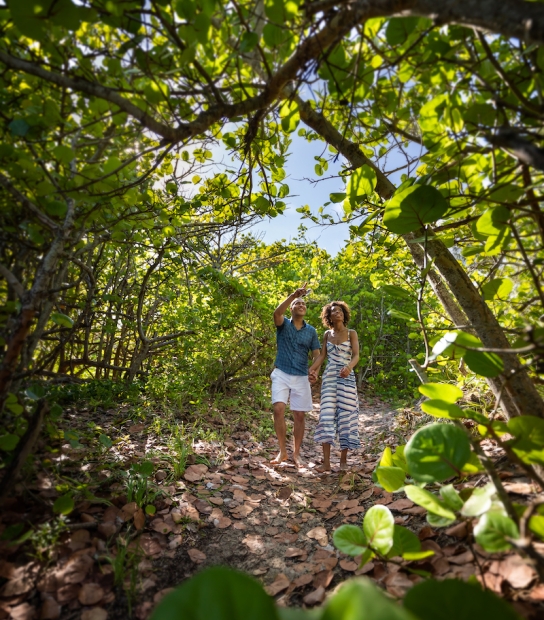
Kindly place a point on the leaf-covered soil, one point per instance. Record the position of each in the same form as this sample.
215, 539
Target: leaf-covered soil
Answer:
231, 507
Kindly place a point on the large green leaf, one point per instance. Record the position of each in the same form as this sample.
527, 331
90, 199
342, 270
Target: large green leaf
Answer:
479, 501
442, 409
454, 345
453, 599
443, 391
427, 500
391, 478
528, 427
404, 541
437, 452
219, 593
414, 207
350, 539
499, 288
399, 28
378, 527
397, 291
63, 505
8, 442
493, 531
360, 184
451, 497
360, 599
483, 363
493, 221
61, 319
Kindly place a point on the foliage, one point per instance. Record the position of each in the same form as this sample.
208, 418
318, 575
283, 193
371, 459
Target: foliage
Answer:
236, 596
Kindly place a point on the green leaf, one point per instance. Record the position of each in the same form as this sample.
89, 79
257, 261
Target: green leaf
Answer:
437, 521
528, 427
404, 541
61, 319
492, 531
146, 468
437, 452
499, 288
56, 208
453, 345
360, 184
429, 501
290, 116
64, 154
8, 442
337, 197
19, 127
63, 505
105, 440
387, 457
150, 509
391, 478
350, 539
397, 291
452, 599
12, 531
443, 391
360, 599
484, 364
409, 210
441, 409
536, 525
399, 28
479, 501
493, 221
451, 497
397, 314
248, 42
219, 593
378, 527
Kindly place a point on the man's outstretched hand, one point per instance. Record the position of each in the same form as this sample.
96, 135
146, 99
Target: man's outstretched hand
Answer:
300, 292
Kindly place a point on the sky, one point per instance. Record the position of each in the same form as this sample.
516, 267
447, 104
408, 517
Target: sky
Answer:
300, 172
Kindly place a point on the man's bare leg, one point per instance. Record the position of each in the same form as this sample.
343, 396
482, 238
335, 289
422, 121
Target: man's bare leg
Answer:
298, 434
326, 466
281, 432
344, 459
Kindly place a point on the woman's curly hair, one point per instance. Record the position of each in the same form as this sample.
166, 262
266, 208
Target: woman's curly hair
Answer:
326, 312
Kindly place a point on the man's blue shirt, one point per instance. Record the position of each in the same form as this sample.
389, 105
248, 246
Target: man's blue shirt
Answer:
294, 345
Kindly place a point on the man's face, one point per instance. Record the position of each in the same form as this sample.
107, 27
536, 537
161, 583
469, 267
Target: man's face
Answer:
298, 307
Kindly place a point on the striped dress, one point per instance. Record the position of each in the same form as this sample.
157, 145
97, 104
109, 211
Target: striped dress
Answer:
339, 413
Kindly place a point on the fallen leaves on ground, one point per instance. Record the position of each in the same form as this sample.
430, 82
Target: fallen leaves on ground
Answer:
275, 523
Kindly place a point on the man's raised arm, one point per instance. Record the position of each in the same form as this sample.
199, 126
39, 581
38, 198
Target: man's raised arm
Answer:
280, 310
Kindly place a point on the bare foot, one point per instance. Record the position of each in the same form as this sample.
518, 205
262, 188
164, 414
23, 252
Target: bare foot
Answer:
279, 459
297, 460
343, 466
323, 468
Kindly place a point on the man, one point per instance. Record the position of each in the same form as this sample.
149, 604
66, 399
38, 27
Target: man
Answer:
295, 339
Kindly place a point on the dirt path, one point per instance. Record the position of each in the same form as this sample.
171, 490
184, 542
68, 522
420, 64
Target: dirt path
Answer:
232, 508
276, 523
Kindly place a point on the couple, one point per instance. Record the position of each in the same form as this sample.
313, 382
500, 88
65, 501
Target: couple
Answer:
291, 378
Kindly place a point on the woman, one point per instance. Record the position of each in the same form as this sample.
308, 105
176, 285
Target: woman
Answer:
339, 413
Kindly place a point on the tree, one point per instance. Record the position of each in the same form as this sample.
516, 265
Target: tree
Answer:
383, 75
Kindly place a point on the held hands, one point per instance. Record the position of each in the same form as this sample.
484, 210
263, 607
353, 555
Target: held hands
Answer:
312, 376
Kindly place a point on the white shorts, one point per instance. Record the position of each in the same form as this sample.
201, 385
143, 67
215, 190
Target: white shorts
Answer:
294, 389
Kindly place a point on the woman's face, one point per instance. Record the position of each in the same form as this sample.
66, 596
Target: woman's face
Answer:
337, 313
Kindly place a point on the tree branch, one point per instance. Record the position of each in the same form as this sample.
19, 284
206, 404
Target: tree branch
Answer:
12, 281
